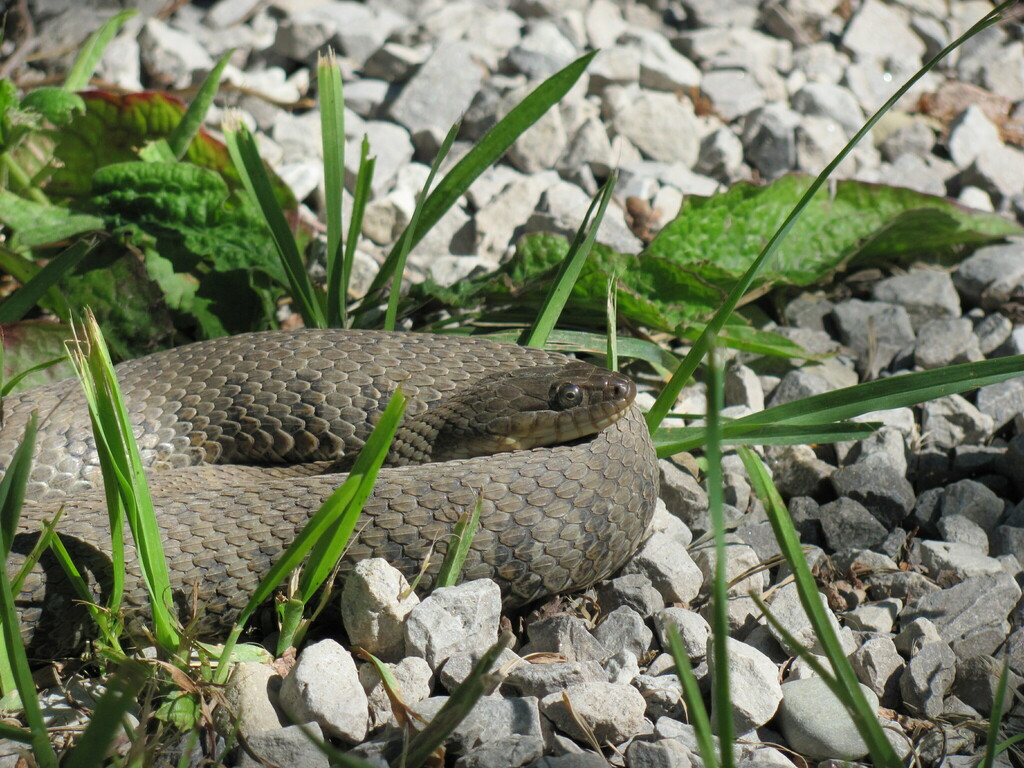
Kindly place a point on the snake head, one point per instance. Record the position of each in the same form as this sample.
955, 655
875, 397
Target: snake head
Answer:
521, 409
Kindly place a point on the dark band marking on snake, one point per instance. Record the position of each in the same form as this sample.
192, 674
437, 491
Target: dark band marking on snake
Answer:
554, 518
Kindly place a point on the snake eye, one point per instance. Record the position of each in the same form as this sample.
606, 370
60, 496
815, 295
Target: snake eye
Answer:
569, 395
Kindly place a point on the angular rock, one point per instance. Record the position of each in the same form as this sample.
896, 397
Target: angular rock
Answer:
461, 619
754, 686
945, 342
879, 666
372, 609
669, 567
285, 746
662, 126
323, 687
613, 712
927, 679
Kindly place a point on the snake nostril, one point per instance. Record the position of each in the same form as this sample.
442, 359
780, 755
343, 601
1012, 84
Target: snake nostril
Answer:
620, 390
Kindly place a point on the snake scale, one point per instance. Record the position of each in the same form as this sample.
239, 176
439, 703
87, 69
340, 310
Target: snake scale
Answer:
554, 518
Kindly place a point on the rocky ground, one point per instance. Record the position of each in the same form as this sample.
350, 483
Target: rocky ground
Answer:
917, 532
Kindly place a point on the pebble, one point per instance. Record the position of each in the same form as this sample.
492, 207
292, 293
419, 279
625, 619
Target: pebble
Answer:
815, 722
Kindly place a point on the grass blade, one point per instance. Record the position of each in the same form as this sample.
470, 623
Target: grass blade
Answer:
701, 347
395, 262
92, 51
462, 540
995, 719
487, 151
245, 156
847, 686
332, 125
883, 394
721, 701
14, 483
569, 271
355, 223
320, 525
695, 709
192, 120
17, 305
668, 440
108, 717
120, 458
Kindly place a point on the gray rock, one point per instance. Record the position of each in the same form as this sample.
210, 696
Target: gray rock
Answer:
974, 501
797, 471
171, 54
662, 67
694, 629
1009, 540
459, 666
360, 30
951, 421
946, 342
916, 137
885, 448
415, 681
882, 490
809, 312
300, 35
971, 133
542, 51
613, 712
669, 567
665, 753
624, 629
683, 495
831, 101
721, 156
542, 679
879, 326
634, 590
755, 693
962, 530
372, 609
508, 752
798, 384
660, 125
769, 139
741, 559
846, 523
249, 698
877, 29
663, 694
915, 635
989, 276
962, 560
566, 635
613, 66
995, 170
976, 681
992, 332
878, 617
293, 745
879, 666
461, 619
1002, 401
323, 687
815, 722
733, 92
966, 614
789, 611
928, 678
437, 95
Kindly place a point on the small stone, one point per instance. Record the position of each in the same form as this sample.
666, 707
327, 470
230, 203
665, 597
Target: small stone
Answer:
882, 490
797, 471
732, 92
974, 501
694, 629
945, 342
460, 619
989, 276
374, 610
977, 679
947, 422
754, 693
878, 29
541, 680
769, 138
874, 328
927, 294
831, 101
816, 723
613, 712
996, 170
293, 745
798, 384
323, 687
508, 752
927, 679
172, 56
542, 51
669, 567
914, 635
970, 133
1002, 401
661, 125
878, 665
662, 67
624, 629
789, 611
958, 529
634, 590
874, 617
847, 524
665, 753
414, 680
683, 495
565, 635
248, 698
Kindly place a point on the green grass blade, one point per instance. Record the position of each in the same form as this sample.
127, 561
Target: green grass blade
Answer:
17, 305
42, 543
612, 314
722, 709
659, 358
120, 457
192, 120
246, 158
395, 262
14, 650
847, 686
92, 51
995, 719
487, 151
332, 125
320, 525
668, 395
14, 483
14, 733
670, 440
355, 224
459, 704
695, 709
570, 269
458, 548
883, 394
17, 378
109, 626
122, 691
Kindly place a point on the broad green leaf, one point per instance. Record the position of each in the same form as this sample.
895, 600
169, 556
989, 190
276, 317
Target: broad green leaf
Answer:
55, 104
35, 224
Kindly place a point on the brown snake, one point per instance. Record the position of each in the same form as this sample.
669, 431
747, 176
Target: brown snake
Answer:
554, 518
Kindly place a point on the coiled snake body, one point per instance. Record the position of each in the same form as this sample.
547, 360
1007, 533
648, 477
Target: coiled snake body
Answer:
553, 518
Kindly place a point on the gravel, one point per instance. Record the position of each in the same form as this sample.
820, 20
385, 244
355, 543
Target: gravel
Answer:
922, 519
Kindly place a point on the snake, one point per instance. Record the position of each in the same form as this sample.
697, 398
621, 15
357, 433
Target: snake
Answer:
245, 437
